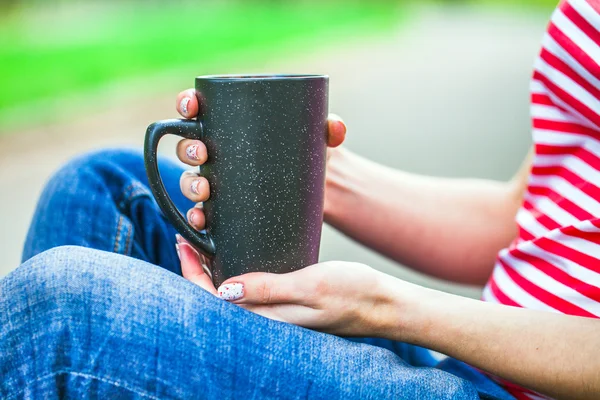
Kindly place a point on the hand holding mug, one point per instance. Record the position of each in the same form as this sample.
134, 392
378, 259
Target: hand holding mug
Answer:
261, 142
337, 297
193, 153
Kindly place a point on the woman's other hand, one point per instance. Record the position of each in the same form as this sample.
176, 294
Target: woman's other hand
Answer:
337, 297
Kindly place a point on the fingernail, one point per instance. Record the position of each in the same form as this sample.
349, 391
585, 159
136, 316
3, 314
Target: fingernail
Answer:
191, 216
192, 152
178, 238
178, 252
207, 270
231, 291
184, 105
194, 186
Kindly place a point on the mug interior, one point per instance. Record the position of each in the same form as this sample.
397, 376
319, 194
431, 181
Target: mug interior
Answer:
239, 77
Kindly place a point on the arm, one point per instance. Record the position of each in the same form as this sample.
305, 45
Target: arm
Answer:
448, 228
554, 354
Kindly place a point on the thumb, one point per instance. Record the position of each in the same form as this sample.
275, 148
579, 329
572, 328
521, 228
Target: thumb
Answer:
336, 130
262, 288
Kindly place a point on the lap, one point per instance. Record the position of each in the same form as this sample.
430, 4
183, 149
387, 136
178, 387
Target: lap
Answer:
110, 318
94, 319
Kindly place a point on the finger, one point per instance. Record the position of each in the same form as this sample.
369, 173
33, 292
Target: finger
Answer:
279, 312
194, 187
261, 288
336, 130
191, 267
196, 218
205, 265
187, 103
192, 152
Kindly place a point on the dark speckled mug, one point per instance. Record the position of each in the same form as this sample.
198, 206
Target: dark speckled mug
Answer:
266, 141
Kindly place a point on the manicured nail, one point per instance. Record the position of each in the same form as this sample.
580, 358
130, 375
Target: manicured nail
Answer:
184, 105
178, 252
184, 243
207, 270
178, 238
192, 152
231, 291
194, 186
191, 216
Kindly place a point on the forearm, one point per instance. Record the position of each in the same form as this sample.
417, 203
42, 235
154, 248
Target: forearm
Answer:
551, 353
449, 228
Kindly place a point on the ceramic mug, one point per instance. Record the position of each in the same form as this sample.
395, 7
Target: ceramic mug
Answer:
266, 140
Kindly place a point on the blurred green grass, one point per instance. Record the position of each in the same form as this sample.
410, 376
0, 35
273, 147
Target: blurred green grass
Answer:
544, 4
62, 49
50, 54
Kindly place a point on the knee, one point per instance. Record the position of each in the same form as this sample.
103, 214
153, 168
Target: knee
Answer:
71, 282
119, 157
126, 159
67, 284
80, 275
104, 174
58, 273
67, 300
93, 168
82, 202
47, 295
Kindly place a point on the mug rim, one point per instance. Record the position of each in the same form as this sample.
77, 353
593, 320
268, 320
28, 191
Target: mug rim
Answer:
260, 77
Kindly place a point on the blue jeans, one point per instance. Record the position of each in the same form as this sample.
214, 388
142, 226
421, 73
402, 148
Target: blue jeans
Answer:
90, 314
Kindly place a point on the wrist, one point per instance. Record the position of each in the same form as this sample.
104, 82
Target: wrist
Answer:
341, 183
407, 310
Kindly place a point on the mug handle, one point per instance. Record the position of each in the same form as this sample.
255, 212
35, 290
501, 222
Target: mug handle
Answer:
188, 129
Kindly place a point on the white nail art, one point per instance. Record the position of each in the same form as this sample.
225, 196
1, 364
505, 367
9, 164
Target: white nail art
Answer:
194, 186
184, 105
231, 291
192, 152
191, 217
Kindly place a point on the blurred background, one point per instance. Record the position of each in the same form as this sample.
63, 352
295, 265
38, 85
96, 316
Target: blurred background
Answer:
433, 87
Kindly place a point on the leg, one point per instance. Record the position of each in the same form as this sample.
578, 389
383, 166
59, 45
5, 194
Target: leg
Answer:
101, 200
77, 321
414, 355
417, 356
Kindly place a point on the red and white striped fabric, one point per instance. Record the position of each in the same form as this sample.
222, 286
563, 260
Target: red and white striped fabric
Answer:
554, 264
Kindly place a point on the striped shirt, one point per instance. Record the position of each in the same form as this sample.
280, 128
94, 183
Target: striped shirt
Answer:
554, 264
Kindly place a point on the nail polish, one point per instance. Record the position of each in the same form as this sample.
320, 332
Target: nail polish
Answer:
194, 186
191, 217
184, 105
192, 152
178, 252
231, 291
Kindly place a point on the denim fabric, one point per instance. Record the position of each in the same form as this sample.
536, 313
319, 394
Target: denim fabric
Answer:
79, 322
102, 200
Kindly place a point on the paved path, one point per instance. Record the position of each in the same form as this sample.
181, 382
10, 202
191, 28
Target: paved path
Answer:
445, 95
